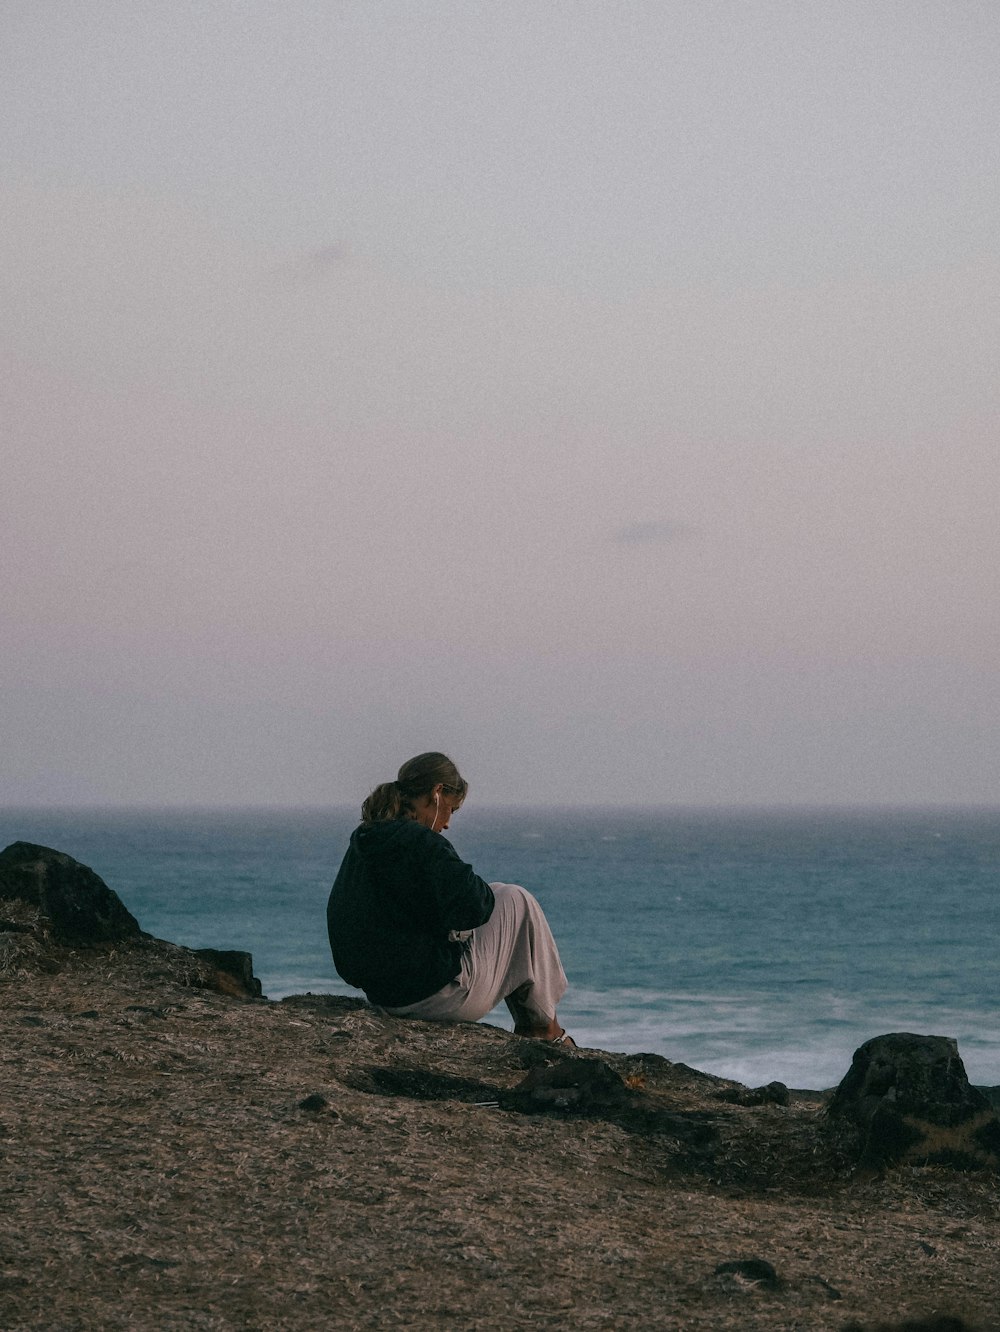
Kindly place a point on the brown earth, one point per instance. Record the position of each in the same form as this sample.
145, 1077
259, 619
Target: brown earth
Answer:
158, 1171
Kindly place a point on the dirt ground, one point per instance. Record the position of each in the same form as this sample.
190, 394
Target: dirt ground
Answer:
158, 1171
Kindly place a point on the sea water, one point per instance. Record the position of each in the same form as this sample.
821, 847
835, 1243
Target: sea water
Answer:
755, 945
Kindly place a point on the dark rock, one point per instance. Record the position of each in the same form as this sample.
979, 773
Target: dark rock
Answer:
236, 965
912, 1102
754, 1271
584, 1086
314, 1102
79, 905
775, 1093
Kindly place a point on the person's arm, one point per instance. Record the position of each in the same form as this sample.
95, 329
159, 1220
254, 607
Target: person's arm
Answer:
463, 900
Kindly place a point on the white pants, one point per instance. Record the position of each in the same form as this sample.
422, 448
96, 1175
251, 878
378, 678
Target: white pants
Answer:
512, 957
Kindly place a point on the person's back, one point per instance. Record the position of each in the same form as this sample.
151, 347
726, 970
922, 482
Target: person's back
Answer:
400, 892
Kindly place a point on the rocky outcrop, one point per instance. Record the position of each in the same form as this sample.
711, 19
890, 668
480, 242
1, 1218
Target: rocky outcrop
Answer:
911, 1100
576, 1084
236, 965
52, 903
78, 904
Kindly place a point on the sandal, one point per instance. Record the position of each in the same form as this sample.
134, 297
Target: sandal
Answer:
564, 1038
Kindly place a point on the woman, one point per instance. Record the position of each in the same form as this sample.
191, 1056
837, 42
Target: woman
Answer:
421, 933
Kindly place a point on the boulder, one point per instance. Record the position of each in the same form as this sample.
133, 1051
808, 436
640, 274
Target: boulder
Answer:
582, 1086
237, 966
775, 1093
750, 1272
911, 1100
79, 905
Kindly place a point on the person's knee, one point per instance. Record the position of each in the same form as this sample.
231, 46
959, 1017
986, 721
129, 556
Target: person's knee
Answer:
512, 892
511, 897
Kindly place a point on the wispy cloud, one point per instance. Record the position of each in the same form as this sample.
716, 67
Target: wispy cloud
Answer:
652, 532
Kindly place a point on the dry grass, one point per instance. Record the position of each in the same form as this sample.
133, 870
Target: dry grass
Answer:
158, 1173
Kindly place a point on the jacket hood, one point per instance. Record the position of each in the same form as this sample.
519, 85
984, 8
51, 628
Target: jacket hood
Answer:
372, 840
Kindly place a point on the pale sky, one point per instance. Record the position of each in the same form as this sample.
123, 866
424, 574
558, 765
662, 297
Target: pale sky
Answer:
603, 392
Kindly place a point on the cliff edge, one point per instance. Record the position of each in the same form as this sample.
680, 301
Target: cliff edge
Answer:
178, 1155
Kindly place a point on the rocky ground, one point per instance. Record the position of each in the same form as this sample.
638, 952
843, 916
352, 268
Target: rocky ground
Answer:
173, 1156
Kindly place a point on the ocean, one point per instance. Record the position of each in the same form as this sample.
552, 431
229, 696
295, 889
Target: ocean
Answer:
755, 945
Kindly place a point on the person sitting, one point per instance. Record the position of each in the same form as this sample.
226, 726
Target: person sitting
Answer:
421, 933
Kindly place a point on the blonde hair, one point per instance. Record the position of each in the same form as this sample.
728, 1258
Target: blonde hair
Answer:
417, 777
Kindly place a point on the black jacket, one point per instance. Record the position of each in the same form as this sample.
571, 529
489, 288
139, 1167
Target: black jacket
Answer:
400, 890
